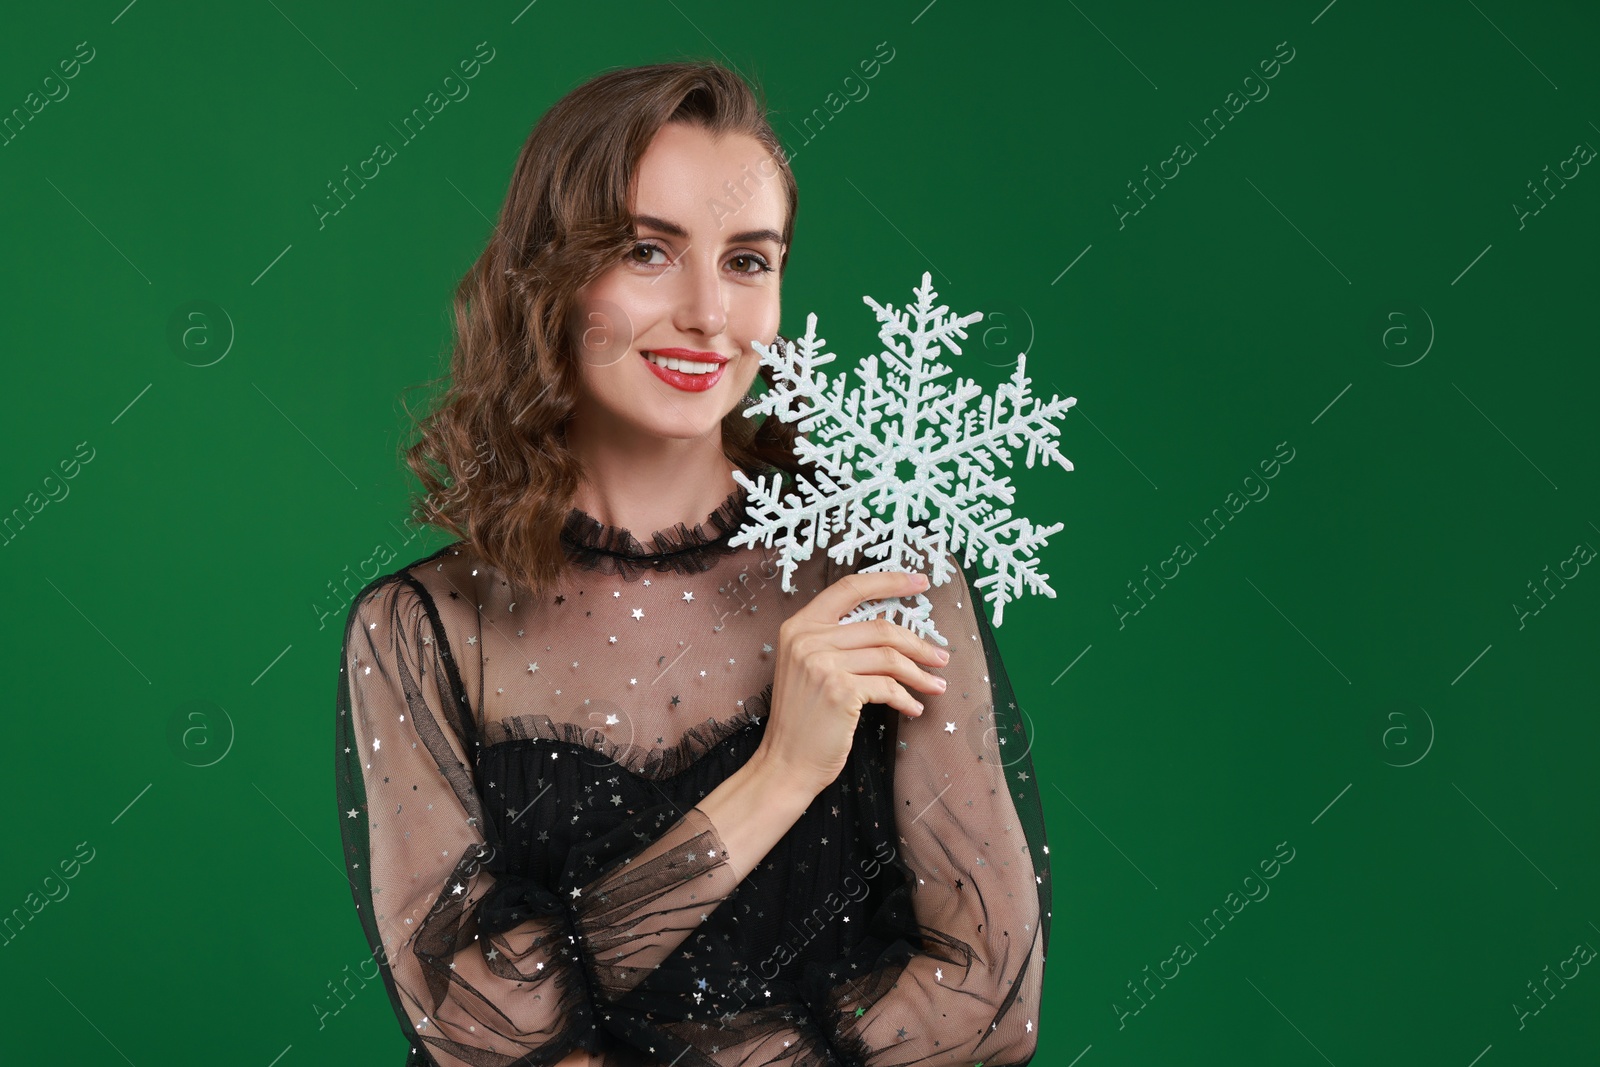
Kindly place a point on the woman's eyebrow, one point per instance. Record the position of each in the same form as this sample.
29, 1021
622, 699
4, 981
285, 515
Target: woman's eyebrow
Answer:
678, 231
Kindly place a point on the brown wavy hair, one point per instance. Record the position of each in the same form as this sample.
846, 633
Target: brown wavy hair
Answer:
492, 455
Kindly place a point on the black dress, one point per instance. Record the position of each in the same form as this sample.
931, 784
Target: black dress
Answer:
517, 785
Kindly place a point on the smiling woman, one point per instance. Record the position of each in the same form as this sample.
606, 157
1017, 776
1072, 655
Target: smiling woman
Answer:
587, 821
666, 337
623, 231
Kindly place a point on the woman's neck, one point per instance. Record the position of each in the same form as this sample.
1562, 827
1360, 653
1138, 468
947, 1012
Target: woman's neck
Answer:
646, 494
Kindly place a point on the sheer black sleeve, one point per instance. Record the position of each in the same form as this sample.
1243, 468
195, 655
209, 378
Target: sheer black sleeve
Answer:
970, 830
483, 967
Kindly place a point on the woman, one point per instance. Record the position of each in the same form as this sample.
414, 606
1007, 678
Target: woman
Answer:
609, 794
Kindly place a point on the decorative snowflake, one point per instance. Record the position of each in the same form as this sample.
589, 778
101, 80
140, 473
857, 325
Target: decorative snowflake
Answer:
904, 466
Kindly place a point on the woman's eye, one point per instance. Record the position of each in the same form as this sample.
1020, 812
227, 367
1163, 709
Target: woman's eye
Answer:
647, 248
758, 264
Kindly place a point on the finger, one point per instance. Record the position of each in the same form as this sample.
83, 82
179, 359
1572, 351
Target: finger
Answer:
878, 689
844, 595
890, 663
887, 632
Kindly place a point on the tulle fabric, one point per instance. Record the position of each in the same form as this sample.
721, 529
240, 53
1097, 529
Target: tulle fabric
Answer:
517, 783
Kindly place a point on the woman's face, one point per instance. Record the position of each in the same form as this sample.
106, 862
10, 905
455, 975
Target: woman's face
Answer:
702, 279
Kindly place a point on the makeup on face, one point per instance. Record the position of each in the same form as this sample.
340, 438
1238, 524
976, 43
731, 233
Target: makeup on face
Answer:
684, 368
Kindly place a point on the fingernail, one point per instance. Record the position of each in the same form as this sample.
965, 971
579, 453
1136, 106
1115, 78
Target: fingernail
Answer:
943, 655
943, 684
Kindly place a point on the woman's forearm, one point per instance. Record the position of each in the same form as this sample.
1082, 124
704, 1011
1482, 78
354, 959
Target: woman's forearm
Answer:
753, 809
633, 916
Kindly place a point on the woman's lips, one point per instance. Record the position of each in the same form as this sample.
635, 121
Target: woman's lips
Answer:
689, 383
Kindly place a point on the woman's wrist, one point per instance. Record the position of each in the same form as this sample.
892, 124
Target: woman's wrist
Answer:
752, 810
779, 784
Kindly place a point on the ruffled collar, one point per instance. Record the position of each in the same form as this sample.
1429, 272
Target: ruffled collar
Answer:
594, 545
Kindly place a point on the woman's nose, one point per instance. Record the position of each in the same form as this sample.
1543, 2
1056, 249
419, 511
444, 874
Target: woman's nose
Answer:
700, 300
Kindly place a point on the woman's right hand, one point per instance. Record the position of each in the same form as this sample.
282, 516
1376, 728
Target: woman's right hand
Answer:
826, 672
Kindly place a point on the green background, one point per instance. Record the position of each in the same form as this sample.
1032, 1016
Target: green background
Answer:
1343, 671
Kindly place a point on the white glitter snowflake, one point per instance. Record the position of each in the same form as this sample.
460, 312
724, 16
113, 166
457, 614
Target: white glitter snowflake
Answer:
905, 466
